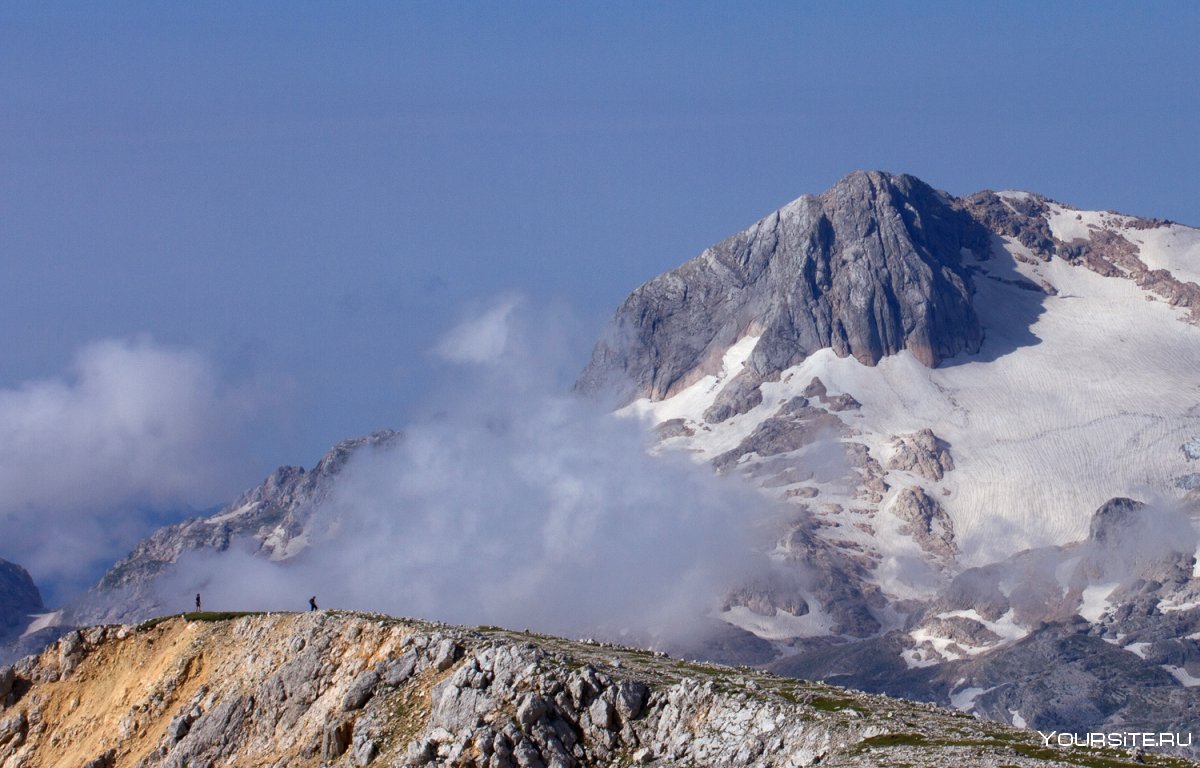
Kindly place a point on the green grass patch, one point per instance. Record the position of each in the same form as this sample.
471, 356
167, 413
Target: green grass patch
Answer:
1082, 757
834, 704
219, 615
702, 670
152, 623
196, 616
886, 740
788, 696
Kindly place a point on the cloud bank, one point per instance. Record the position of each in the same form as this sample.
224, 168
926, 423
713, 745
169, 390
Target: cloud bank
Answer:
513, 504
134, 425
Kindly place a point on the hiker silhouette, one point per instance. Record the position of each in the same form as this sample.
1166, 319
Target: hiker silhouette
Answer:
197, 602
312, 603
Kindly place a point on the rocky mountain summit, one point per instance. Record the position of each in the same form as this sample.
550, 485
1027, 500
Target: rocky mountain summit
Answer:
952, 397
870, 267
353, 690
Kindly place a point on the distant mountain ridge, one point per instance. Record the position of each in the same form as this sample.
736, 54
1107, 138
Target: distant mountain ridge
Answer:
19, 599
274, 515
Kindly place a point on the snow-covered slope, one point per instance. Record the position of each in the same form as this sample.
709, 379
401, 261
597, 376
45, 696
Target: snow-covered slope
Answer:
978, 496
975, 502
1091, 400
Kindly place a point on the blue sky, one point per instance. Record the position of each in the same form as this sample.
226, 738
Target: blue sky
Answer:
309, 195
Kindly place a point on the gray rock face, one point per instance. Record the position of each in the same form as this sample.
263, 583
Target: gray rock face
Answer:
1023, 219
922, 453
1063, 677
360, 691
1100, 634
106, 760
397, 671
1113, 519
271, 514
737, 397
19, 597
836, 403
926, 522
794, 426
871, 267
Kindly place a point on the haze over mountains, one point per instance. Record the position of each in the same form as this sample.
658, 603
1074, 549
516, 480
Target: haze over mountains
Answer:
945, 448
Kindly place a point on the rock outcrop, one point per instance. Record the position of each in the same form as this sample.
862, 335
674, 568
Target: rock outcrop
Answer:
1113, 520
325, 690
871, 267
926, 522
922, 453
1024, 217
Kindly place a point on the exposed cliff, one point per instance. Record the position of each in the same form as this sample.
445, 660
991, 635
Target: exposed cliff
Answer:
871, 267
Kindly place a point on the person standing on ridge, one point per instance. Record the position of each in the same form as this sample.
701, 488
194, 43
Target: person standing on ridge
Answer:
312, 603
197, 602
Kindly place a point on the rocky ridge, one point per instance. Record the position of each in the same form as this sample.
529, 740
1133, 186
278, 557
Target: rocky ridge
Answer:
339, 689
1107, 248
276, 516
1099, 634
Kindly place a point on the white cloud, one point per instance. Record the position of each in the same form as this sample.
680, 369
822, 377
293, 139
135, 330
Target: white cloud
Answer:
513, 505
482, 338
134, 425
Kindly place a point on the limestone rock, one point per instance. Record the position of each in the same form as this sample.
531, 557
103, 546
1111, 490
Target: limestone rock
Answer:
796, 424
836, 403
361, 691
336, 739
871, 267
510, 699
397, 671
926, 522
106, 760
741, 394
1112, 518
923, 453
679, 428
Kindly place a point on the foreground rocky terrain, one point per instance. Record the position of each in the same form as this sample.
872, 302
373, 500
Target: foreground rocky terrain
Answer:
341, 689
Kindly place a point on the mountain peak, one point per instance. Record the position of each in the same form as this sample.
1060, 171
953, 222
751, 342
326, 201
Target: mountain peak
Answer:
869, 268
